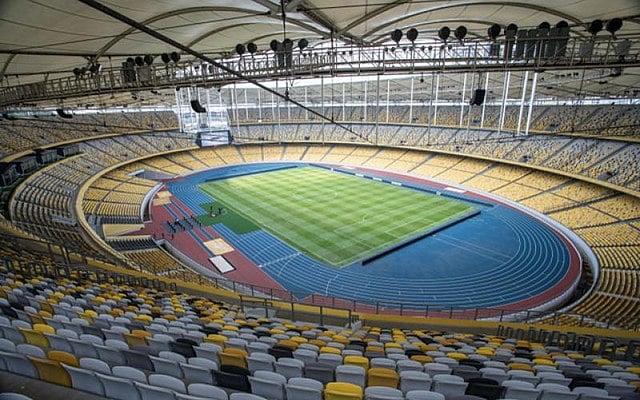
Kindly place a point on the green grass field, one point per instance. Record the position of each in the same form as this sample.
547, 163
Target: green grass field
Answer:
333, 217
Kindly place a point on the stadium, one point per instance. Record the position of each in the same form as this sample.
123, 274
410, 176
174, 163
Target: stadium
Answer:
311, 199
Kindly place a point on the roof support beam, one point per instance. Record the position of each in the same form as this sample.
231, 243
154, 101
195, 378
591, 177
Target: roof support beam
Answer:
372, 14
139, 26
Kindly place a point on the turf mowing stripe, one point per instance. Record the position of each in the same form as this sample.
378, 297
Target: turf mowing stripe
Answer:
333, 217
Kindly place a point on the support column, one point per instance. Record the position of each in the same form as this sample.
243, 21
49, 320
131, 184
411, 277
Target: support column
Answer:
531, 100
344, 113
430, 114
411, 103
259, 105
464, 89
505, 93
246, 105
524, 94
435, 108
388, 89
377, 105
364, 113
484, 103
306, 103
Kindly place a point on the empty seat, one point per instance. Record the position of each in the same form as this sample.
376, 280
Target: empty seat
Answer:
289, 367
343, 391
152, 392
423, 395
85, 380
382, 377
434, 369
260, 362
166, 381
268, 384
414, 380
320, 372
555, 391
51, 371
304, 389
118, 388
382, 393
207, 391
520, 390
233, 377
485, 388
449, 385
592, 393
353, 374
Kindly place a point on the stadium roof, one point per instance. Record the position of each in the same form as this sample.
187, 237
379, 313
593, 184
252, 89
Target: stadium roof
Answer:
44, 36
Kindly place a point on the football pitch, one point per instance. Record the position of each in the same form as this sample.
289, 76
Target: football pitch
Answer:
333, 217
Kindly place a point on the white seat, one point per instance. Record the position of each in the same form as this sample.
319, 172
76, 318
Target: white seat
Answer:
497, 374
555, 391
520, 390
553, 377
196, 373
207, 391
380, 362
166, 381
592, 393
245, 396
351, 374
30, 350
166, 366
118, 388
152, 392
268, 384
423, 395
134, 374
614, 386
333, 360
209, 351
85, 380
289, 367
408, 365
382, 393
525, 376
414, 380
306, 356
258, 347
260, 362
449, 385
110, 355
434, 369
82, 348
95, 365
57, 342
304, 389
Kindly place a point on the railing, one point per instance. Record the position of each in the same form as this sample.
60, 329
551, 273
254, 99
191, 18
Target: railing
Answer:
252, 296
549, 53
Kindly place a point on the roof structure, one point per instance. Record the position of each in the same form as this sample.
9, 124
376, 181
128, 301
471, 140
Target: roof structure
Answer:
44, 39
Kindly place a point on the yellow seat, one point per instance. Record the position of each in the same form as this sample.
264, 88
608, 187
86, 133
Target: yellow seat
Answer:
299, 339
342, 391
457, 356
544, 361
233, 356
376, 349
330, 350
51, 371
634, 370
357, 360
392, 345
35, 337
136, 337
422, 359
521, 367
382, 377
220, 340
290, 344
318, 342
44, 328
602, 361
63, 357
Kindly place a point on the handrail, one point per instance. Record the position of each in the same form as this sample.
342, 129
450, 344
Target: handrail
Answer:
524, 54
258, 295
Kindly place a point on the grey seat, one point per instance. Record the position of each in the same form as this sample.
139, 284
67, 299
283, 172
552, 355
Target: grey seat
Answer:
304, 389
19, 364
134, 374
423, 395
555, 391
414, 380
95, 365
118, 388
520, 390
408, 365
198, 373
245, 396
85, 380
268, 384
305, 355
289, 367
30, 350
260, 362
449, 385
110, 355
382, 393
351, 374
319, 372
207, 391
166, 367
592, 393
152, 392
166, 381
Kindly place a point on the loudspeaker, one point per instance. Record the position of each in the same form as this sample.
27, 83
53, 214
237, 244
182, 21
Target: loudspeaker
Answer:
195, 105
478, 97
63, 114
